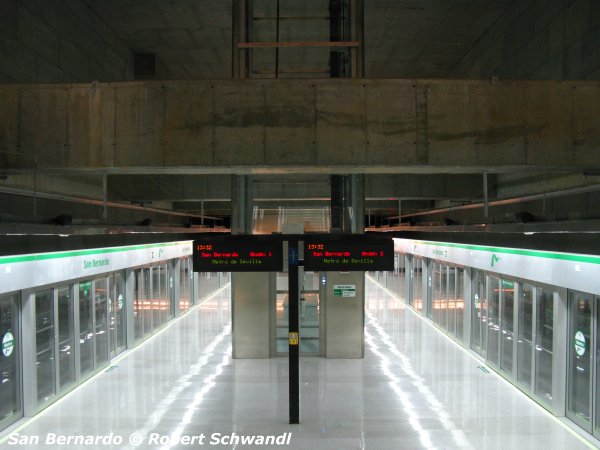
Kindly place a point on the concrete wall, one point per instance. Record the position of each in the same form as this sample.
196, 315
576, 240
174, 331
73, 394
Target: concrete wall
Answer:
51, 41
539, 39
345, 317
251, 300
353, 126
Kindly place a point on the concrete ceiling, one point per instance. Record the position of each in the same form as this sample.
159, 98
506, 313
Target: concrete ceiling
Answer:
423, 38
403, 38
191, 38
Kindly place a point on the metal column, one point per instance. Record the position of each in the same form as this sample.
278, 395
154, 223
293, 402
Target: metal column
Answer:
294, 330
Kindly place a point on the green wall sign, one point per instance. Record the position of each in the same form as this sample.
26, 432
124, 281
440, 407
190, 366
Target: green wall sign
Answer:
579, 343
8, 344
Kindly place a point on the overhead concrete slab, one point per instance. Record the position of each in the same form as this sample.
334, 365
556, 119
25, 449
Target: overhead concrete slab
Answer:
358, 126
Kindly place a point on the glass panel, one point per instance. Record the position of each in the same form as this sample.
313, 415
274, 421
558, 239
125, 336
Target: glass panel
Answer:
309, 322
579, 369
444, 296
281, 305
310, 313
427, 294
117, 313
311, 281
493, 319
166, 289
184, 284
525, 338
66, 356
157, 315
86, 333
417, 300
401, 291
460, 302
10, 394
451, 302
282, 281
119, 316
112, 311
44, 333
147, 301
138, 305
507, 336
479, 316
544, 331
436, 291
281, 314
101, 325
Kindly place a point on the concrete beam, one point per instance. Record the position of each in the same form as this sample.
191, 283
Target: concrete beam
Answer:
301, 126
224, 207
424, 186
299, 187
85, 185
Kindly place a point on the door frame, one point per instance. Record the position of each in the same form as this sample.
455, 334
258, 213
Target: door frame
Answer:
273, 312
587, 426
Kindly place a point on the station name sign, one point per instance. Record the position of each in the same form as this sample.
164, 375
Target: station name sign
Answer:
349, 253
238, 254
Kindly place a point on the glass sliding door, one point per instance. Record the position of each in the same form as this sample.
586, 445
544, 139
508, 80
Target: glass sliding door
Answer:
310, 314
479, 316
281, 313
544, 335
493, 321
10, 361
525, 337
138, 305
45, 348
147, 302
117, 313
437, 294
417, 297
507, 296
443, 311
101, 321
157, 299
402, 264
428, 288
166, 288
66, 340
185, 285
86, 328
460, 302
451, 301
579, 369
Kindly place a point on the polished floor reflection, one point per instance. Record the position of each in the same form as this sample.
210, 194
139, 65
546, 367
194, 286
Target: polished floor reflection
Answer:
414, 389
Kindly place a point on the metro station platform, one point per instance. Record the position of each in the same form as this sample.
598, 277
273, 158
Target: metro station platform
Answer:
414, 389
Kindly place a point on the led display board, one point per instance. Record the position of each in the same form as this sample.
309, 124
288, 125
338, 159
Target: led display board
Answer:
238, 254
349, 253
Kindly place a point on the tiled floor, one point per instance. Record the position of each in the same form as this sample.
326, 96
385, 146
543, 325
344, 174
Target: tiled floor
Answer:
414, 389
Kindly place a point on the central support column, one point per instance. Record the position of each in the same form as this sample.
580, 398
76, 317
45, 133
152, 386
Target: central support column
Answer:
250, 291
348, 203
337, 203
345, 316
242, 203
